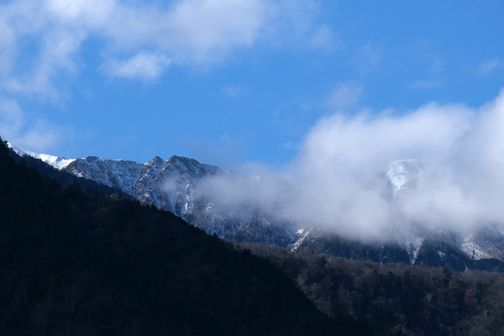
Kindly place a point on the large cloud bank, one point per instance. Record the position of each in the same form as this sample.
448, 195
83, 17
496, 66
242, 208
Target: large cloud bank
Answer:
343, 164
341, 173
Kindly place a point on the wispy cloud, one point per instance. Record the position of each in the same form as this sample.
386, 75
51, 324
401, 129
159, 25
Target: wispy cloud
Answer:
491, 66
294, 22
144, 65
146, 35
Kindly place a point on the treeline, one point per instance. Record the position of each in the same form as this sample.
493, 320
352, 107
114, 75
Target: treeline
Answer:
395, 299
82, 263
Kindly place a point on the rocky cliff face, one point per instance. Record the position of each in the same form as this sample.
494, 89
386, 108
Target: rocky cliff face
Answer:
188, 189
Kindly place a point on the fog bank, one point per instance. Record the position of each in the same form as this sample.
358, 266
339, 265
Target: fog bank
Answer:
451, 177
459, 152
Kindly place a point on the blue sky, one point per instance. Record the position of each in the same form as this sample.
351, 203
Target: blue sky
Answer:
230, 82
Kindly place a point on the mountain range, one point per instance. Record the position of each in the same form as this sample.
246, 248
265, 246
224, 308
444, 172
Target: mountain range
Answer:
226, 204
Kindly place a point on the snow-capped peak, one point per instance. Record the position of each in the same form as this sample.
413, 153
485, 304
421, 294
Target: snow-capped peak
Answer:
401, 172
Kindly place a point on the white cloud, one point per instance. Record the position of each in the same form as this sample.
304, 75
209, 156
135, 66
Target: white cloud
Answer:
466, 188
91, 13
209, 29
144, 65
343, 162
341, 171
40, 41
381, 138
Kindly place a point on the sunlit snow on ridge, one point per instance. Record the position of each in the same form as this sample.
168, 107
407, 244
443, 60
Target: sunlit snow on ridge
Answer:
55, 161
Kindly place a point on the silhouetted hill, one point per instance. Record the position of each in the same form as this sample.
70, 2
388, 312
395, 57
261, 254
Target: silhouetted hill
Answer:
82, 263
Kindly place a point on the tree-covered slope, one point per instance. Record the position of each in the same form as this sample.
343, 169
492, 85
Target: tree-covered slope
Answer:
75, 263
396, 299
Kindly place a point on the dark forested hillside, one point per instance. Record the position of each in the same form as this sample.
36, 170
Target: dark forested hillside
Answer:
81, 263
396, 299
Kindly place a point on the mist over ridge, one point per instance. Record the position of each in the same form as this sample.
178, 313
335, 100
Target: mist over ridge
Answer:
343, 164
450, 177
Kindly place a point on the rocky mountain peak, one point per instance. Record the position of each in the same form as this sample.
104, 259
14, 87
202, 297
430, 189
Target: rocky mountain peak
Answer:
156, 161
192, 166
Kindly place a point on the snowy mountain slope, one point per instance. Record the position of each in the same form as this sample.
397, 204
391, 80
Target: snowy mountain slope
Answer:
55, 161
113, 173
